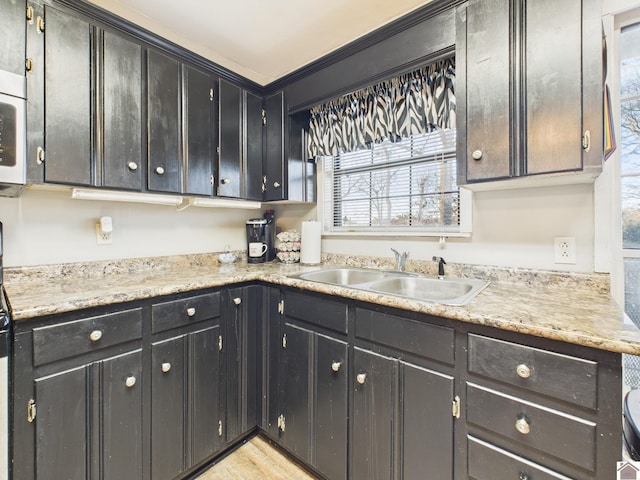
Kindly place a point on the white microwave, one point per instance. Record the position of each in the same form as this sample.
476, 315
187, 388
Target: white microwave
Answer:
13, 165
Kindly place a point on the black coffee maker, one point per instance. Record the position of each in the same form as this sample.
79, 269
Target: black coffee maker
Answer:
261, 238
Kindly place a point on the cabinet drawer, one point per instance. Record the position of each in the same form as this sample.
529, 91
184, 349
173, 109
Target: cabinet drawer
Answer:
318, 311
65, 340
560, 376
488, 462
423, 339
532, 426
185, 311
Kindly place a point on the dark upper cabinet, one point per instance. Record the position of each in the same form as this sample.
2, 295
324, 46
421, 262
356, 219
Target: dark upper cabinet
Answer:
527, 107
241, 143
12, 36
301, 170
230, 139
274, 161
121, 151
164, 123
200, 130
67, 99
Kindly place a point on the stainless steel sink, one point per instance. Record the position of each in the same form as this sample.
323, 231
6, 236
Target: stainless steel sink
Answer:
342, 276
457, 291
448, 291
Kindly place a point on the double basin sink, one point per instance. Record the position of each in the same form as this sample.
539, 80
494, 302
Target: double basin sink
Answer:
448, 291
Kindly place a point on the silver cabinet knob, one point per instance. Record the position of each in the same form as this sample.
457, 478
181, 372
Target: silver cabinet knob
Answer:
276, 185
237, 300
523, 426
130, 381
523, 371
224, 181
523, 476
160, 170
335, 366
95, 335
166, 366
133, 166
361, 378
191, 311
477, 154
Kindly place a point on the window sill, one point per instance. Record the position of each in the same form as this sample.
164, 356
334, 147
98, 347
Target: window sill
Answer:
356, 234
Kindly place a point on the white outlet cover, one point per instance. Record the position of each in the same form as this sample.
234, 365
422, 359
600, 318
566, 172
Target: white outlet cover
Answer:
103, 238
565, 250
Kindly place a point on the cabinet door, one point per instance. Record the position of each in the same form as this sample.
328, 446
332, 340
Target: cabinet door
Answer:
200, 130
122, 151
12, 36
486, 37
61, 425
163, 110
253, 146
230, 154
427, 423
68, 108
330, 433
271, 359
553, 85
295, 400
205, 394
374, 407
274, 162
167, 408
121, 414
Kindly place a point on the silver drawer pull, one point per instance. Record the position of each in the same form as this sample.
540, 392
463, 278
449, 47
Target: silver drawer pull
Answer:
166, 366
276, 185
237, 300
523, 426
335, 366
191, 311
95, 335
130, 382
476, 155
160, 170
361, 378
523, 371
133, 166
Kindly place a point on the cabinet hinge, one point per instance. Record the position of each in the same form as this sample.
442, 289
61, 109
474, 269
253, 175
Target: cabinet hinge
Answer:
281, 423
284, 340
219, 343
281, 307
40, 156
586, 141
264, 184
212, 180
31, 410
219, 428
40, 24
264, 116
455, 407
211, 96
30, 14
28, 64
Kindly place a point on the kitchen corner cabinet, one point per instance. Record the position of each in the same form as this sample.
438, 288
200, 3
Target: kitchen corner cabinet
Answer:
240, 143
525, 107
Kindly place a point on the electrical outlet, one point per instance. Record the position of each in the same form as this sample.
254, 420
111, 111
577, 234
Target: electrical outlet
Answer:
103, 238
565, 250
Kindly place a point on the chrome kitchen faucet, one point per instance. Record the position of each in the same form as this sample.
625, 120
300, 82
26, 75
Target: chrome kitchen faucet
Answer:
401, 259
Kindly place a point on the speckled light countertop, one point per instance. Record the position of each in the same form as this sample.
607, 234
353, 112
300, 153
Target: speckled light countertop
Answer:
574, 308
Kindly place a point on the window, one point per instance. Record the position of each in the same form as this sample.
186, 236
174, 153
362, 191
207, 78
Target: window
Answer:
407, 185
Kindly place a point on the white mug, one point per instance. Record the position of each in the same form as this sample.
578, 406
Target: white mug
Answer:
257, 249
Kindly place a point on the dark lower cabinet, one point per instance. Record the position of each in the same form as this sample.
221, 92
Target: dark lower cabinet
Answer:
374, 415
89, 421
186, 392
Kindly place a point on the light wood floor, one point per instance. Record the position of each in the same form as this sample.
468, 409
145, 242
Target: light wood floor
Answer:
255, 460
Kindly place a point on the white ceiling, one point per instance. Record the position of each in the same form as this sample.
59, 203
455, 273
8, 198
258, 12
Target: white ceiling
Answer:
262, 40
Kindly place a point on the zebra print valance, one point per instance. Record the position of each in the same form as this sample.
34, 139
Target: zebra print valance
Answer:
417, 102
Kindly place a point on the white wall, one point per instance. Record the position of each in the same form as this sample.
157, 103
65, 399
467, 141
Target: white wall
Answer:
512, 228
44, 227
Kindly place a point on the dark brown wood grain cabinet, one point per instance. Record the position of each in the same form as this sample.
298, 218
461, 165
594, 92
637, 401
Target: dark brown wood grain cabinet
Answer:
275, 187
526, 107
